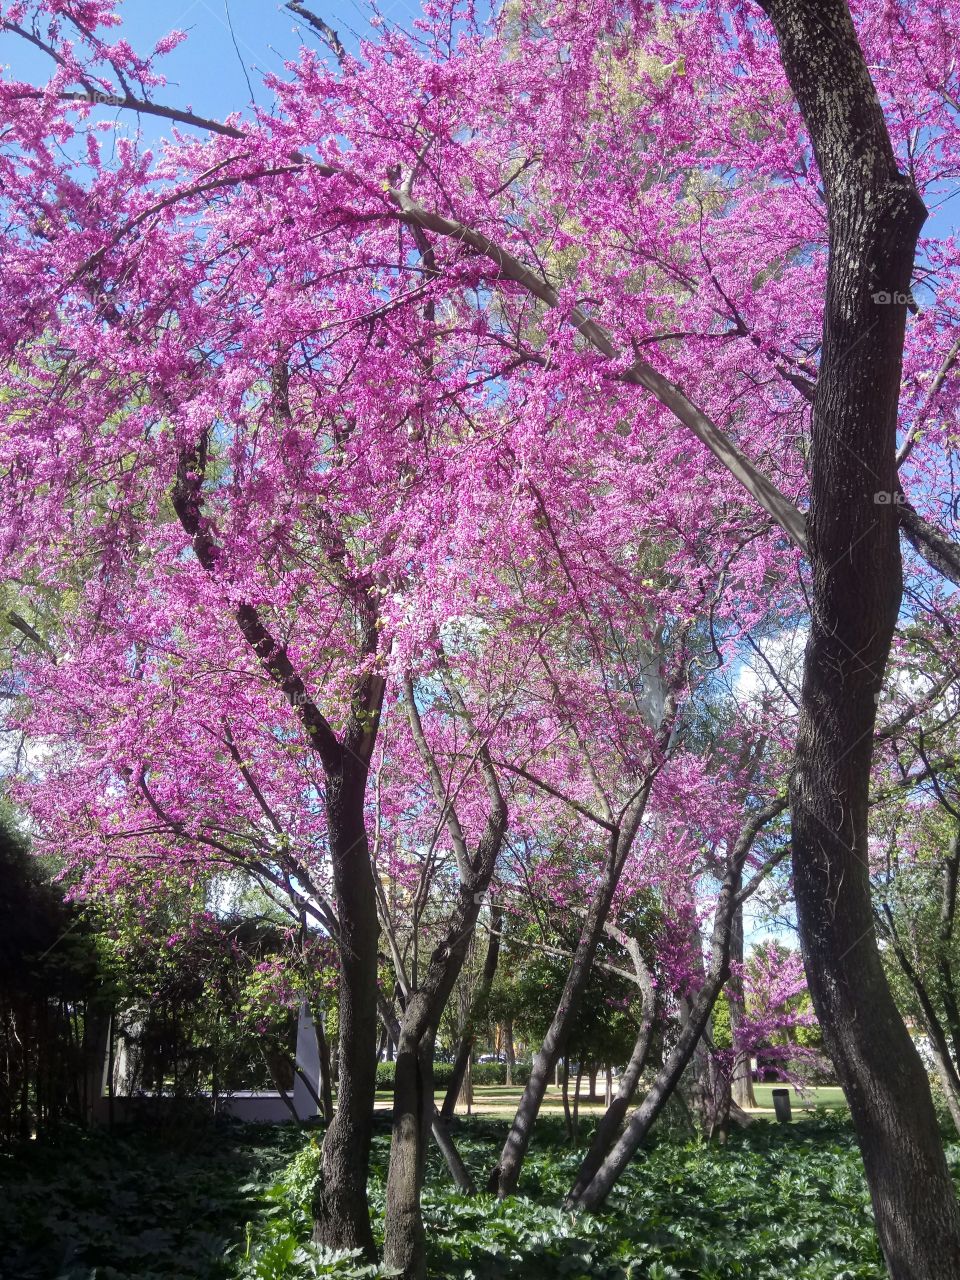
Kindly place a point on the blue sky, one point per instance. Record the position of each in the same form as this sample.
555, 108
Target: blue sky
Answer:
209, 71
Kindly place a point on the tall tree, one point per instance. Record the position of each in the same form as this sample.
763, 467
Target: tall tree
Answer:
875, 215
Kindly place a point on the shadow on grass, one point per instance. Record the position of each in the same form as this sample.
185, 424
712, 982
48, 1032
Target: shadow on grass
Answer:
155, 1204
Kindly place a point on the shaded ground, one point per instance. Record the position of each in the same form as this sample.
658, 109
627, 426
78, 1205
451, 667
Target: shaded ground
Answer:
209, 1202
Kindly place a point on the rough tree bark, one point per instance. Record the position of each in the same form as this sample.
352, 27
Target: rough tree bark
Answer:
875, 215
340, 1209
948, 912
504, 1176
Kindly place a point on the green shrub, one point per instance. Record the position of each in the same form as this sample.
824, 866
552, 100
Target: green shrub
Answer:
442, 1075
484, 1074
489, 1073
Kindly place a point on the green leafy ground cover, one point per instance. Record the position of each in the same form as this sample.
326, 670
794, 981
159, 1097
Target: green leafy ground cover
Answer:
232, 1202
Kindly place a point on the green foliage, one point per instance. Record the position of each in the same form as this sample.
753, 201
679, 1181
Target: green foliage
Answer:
528, 991
484, 1073
232, 1203
776, 1202
722, 1035
386, 1071
165, 1204
51, 984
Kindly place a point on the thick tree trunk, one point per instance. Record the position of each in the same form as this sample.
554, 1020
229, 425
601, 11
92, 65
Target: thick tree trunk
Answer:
413, 1111
341, 1215
706, 1093
477, 1012
875, 215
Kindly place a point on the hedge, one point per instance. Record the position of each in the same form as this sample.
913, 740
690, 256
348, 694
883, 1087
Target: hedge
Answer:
484, 1073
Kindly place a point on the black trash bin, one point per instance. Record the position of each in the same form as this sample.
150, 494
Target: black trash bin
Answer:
781, 1105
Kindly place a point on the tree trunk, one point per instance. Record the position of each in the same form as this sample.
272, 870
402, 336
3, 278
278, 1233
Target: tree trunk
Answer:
609, 1126
565, 1096
404, 1252
505, 1174
575, 1126
741, 1082
875, 215
404, 1238
477, 1012
326, 1074
465, 1096
643, 1119
948, 910
949, 1083
341, 1215
596, 1191
509, 1051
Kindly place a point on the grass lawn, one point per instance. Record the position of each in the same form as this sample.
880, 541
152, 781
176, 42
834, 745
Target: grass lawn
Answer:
501, 1100
830, 1096
231, 1202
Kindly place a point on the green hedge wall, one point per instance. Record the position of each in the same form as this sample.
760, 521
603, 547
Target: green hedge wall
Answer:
484, 1073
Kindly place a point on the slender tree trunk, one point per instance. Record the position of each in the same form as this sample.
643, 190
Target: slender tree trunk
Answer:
950, 1085
575, 1126
565, 1096
609, 1126
948, 911
741, 1083
441, 1134
875, 215
96, 1029
509, 1051
465, 1096
341, 1215
505, 1174
668, 1077
413, 1105
643, 1119
326, 1074
476, 1014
